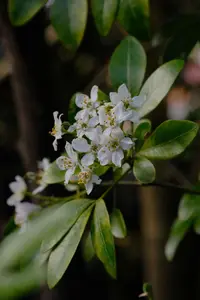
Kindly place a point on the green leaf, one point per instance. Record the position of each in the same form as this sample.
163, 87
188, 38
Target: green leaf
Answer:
169, 139
69, 19
134, 17
53, 174
61, 257
189, 206
128, 64
144, 170
100, 170
178, 231
102, 238
118, 226
10, 226
140, 132
21, 11
104, 12
87, 247
158, 84
73, 210
119, 172
197, 225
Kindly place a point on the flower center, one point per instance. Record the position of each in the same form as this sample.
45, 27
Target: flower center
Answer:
54, 131
126, 102
84, 177
67, 163
113, 145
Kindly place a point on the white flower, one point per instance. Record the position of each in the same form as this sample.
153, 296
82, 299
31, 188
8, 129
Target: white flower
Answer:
23, 211
57, 129
40, 178
126, 105
113, 145
88, 179
83, 123
19, 189
84, 102
69, 162
107, 115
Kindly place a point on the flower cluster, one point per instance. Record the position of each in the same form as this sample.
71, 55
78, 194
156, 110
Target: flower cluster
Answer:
98, 135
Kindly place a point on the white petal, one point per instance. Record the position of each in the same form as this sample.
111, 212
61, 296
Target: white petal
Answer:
14, 199
94, 93
114, 97
79, 100
88, 159
82, 115
93, 121
89, 187
68, 175
137, 101
55, 145
104, 156
102, 115
126, 143
21, 182
55, 116
70, 152
81, 145
96, 179
117, 157
72, 128
60, 162
117, 133
71, 187
39, 189
57, 120
123, 91
135, 117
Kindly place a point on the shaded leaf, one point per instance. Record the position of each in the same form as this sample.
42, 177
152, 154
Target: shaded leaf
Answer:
140, 132
128, 64
169, 139
61, 257
119, 172
158, 84
10, 226
69, 18
102, 238
144, 170
21, 11
118, 226
87, 247
104, 12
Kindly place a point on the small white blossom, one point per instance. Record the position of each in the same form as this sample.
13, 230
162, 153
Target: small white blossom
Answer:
126, 105
40, 178
22, 213
87, 178
19, 188
90, 104
57, 129
69, 162
113, 145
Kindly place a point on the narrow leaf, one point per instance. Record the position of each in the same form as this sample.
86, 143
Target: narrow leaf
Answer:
158, 84
21, 11
69, 18
61, 257
104, 12
144, 170
128, 64
87, 247
169, 139
118, 226
103, 239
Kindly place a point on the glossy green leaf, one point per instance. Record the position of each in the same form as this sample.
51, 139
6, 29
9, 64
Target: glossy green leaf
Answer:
53, 174
73, 210
21, 11
103, 239
69, 19
140, 132
178, 231
158, 85
169, 139
128, 64
118, 226
104, 12
134, 17
144, 170
61, 257
87, 247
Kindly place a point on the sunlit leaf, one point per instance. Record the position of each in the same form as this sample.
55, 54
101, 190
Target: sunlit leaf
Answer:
53, 174
169, 139
118, 226
128, 64
103, 239
144, 170
158, 84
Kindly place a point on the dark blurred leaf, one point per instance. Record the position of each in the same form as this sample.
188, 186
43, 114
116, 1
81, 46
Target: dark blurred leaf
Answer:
189, 206
69, 19
87, 247
134, 17
102, 238
61, 257
21, 11
104, 12
118, 226
10, 226
119, 172
169, 139
144, 170
158, 84
140, 132
128, 64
